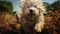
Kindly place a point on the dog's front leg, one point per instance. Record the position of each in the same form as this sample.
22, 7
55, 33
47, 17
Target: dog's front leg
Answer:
40, 24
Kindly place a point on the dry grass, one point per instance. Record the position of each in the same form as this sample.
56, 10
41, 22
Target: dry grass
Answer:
8, 23
52, 22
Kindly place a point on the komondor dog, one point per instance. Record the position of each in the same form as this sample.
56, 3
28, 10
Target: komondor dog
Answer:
32, 18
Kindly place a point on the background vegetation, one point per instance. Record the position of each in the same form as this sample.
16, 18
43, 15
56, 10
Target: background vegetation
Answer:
6, 6
54, 6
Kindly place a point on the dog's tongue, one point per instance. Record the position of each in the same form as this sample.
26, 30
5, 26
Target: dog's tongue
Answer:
32, 16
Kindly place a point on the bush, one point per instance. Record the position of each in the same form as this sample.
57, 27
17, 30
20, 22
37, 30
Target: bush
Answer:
8, 23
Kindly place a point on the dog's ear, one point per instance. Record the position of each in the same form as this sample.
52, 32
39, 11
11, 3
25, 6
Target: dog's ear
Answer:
25, 8
42, 10
45, 13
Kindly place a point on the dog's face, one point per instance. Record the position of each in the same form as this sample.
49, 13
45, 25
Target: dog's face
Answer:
32, 12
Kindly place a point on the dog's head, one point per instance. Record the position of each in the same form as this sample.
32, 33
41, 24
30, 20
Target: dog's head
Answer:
32, 8
32, 12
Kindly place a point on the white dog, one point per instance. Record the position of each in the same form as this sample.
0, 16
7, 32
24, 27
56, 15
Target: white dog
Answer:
32, 15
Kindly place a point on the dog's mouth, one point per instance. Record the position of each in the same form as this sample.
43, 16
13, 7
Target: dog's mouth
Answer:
31, 16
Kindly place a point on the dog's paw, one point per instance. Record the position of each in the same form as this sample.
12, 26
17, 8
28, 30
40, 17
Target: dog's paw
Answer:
38, 27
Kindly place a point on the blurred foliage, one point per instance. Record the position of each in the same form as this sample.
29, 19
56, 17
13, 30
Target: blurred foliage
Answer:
8, 23
48, 6
6, 6
56, 5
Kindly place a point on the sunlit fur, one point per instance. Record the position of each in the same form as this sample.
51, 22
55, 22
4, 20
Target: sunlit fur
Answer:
38, 10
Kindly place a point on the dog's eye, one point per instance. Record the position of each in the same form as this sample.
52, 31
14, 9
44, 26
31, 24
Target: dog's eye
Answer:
34, 6
27, 6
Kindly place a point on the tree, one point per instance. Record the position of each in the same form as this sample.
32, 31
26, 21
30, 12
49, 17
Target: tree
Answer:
6, 6
48, 6
56, 5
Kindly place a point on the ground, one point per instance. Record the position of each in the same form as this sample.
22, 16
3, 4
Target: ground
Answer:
9, 25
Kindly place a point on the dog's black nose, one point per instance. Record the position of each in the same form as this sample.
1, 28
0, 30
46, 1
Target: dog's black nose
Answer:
31, 11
